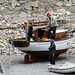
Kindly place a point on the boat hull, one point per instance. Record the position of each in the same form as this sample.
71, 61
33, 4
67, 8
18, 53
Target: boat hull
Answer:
64, 68
45, 53
67, 71
41, 48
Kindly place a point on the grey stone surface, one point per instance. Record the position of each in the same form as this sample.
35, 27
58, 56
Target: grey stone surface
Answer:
59, 4
71, 9
18, 67
2, 1
17, 14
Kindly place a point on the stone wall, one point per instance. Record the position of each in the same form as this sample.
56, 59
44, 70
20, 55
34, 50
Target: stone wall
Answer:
13, 13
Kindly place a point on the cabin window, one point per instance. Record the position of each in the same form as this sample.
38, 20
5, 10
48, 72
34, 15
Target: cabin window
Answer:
57, 36
71, 35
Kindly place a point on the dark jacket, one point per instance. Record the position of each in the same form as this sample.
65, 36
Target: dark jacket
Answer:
52, 48
30, 31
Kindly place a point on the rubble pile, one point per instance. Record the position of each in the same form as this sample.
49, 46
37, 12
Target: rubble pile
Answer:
13, 12
16, 12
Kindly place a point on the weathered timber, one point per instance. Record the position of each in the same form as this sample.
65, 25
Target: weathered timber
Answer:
39, 23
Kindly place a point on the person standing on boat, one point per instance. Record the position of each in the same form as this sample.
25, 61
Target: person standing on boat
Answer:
30, 30
51, 25
52, 50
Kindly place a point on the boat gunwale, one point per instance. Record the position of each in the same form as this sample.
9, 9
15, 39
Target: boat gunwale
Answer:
19, 40
61, 69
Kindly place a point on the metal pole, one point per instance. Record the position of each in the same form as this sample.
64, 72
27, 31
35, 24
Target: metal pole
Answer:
69, 37
10, 51
6, 46
26, 30
61, 21
6, 49
9, 57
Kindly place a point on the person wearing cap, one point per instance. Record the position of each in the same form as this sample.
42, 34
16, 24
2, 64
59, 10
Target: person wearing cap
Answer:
30, 30
51, 25
52, 50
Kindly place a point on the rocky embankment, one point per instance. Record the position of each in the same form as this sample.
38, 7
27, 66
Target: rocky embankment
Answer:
16, 12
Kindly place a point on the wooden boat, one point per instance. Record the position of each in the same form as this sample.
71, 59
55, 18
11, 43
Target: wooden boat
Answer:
39, 48
64, 68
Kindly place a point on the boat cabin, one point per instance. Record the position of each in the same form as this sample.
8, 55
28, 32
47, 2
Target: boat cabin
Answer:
41, 34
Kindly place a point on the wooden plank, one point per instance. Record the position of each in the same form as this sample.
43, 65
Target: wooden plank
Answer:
6, 28
63, 21
19, 26
39, 23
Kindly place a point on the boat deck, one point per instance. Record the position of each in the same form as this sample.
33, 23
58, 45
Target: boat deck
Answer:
37, 40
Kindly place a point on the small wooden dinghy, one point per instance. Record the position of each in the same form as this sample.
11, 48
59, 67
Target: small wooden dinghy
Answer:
65, 68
